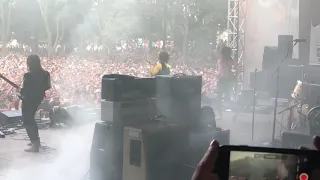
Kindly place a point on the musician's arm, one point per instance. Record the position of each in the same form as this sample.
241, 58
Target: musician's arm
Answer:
25, 84
49, 82
9, 107
219, 65
155, 70
9, 91
235, 65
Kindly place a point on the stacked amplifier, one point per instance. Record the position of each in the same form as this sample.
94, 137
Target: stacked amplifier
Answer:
146, 127
125, 100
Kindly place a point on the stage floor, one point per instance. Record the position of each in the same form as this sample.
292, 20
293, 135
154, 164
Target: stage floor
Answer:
70, 159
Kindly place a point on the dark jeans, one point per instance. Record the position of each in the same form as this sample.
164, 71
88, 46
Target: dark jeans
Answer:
224, 87
29, 109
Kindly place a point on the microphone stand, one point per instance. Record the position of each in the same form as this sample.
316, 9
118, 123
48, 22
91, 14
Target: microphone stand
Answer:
302, 89
277, 71
254, 104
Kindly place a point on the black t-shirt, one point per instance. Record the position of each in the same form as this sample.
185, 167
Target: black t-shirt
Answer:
35, 84
165, 70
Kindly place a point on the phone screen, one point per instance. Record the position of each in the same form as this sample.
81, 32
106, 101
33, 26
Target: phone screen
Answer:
269, 166
252, 163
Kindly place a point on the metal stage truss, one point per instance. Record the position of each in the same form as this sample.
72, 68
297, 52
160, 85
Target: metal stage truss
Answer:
236, 34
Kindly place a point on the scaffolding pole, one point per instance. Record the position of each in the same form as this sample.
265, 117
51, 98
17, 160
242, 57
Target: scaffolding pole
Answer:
236, 35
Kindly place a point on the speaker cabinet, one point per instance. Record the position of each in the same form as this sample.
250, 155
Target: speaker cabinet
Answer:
313, 94
10, 117
270, 58
106, 153
179, 98
117, 87
113, 86
152, 151
315, 14
261, 81
122, 111
287, 81
285, 43
134, 161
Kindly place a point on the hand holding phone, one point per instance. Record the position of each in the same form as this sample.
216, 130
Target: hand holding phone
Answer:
207, 164
316, 142
244, 162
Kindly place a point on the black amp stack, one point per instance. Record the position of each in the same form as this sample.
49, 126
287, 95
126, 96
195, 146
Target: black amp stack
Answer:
148, 128
298, 83
123, 103
179, 98
291, 70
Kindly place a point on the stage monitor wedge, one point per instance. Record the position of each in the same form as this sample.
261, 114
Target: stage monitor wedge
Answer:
10, 117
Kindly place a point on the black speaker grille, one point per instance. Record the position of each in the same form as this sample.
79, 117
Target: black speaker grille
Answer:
135, 152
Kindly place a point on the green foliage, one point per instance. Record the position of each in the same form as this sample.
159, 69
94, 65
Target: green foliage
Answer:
151, 19
208, 16
113, 20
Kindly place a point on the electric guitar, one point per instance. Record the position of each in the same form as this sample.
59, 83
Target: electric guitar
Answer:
12, 84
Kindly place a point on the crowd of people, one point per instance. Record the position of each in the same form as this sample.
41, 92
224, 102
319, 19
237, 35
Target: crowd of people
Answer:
77, 80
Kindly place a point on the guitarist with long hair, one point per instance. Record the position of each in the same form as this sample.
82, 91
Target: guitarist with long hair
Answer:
35, 82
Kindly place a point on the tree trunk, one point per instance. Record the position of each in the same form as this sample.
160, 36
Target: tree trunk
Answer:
49, 41
5, 23
164, 25
4, 39
44, 14
185, 35
214, 38
50, 49
59, 34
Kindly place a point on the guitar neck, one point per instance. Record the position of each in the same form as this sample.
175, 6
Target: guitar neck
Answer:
9, 82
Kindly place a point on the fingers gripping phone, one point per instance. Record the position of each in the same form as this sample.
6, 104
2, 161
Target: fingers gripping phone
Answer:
258, 163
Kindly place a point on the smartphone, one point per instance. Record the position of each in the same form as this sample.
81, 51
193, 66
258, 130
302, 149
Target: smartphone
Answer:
259, 163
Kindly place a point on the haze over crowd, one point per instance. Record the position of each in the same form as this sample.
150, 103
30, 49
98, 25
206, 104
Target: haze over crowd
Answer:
81, 40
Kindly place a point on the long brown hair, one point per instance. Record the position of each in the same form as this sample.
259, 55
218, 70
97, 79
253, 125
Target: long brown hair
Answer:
34, 64
164, 57
226, 53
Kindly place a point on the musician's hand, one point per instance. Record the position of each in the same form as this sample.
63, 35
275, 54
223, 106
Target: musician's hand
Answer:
316, 142
207, 163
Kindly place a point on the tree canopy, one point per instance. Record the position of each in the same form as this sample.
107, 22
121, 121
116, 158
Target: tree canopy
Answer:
76, 22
